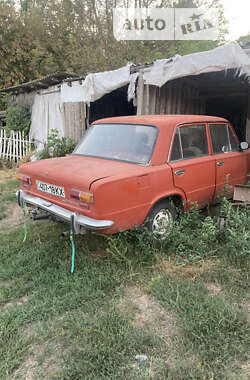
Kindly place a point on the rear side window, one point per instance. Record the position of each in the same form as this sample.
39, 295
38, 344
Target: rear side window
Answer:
177, 149
189, 142
223, 140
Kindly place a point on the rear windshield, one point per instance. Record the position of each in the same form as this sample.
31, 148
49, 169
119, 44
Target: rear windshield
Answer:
123, 142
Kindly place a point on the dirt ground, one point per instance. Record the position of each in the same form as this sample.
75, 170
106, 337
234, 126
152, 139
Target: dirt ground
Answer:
6, 174
14, 217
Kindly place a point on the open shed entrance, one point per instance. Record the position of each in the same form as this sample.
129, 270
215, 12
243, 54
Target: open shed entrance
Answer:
113, 104
233, 109
225, 95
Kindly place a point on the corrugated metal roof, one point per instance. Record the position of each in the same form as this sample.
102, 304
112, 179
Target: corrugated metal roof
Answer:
41, 83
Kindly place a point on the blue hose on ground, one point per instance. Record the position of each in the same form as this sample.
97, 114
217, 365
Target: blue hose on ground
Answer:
25, 224
71, 237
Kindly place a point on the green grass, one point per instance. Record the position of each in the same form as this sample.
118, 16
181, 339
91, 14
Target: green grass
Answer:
9, 185
7, 195
2, 212
56, 325
212, 328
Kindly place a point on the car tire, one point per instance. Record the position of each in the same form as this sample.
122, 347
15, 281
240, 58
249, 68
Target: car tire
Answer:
160, 219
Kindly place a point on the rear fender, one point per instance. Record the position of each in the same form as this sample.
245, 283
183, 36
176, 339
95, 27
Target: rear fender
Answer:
178, 198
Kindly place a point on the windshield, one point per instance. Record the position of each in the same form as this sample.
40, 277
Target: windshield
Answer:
123, 142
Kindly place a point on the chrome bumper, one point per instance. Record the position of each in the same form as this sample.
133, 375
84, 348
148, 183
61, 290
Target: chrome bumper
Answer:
76, 220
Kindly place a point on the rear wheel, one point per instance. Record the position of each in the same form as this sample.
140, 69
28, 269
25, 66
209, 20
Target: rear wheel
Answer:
160, 219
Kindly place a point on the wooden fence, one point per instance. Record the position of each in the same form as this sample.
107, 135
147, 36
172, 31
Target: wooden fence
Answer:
14, 147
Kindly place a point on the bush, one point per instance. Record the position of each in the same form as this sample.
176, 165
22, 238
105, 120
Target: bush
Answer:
193, 237
236, 232
57, 146
18, 119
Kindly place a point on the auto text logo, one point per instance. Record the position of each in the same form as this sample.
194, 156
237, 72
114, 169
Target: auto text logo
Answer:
166, 23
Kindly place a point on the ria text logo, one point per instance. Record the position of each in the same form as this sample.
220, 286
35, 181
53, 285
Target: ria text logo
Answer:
166, 23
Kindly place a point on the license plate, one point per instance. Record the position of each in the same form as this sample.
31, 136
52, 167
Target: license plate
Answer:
50, 189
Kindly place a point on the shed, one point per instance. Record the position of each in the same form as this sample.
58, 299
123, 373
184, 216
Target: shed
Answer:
41, 96
68, 102
214, 83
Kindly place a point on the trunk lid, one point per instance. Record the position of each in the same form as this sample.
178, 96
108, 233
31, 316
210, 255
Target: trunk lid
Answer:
77, 171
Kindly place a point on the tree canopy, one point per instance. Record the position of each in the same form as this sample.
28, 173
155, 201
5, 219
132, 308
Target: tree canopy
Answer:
41, 37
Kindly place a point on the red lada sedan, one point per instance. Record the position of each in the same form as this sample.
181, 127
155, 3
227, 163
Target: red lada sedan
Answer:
131, 170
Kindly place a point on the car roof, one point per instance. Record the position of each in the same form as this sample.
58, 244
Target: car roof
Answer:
159, 120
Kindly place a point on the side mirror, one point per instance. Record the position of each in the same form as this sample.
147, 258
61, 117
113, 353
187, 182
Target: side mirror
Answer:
244, 145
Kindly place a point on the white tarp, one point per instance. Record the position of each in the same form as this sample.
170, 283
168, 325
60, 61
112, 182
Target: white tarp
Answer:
247, 51
131, 87
95, 86
73, 93
224, 57
46, 115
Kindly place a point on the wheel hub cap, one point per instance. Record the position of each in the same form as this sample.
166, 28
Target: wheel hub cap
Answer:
161, 223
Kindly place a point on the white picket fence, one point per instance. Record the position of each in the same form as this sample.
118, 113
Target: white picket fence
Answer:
14, 147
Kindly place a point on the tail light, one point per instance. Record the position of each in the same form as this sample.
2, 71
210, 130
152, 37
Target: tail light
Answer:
25, 179
82, 196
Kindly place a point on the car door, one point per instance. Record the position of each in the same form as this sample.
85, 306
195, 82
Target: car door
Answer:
192, 165
231, 165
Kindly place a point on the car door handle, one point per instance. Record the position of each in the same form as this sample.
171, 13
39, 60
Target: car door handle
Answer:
179, 172
220, 163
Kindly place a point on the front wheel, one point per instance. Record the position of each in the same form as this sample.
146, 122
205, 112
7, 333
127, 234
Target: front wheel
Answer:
160, 219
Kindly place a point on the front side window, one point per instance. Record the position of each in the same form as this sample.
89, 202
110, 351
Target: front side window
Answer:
189, 142
123, 142
223, 140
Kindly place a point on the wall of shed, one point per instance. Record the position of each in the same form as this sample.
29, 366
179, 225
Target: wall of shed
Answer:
73, 114
175, 97
24, 99
248, 120
74, 120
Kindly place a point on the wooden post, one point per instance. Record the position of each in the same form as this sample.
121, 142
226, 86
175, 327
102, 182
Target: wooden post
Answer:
8, 147
157, 100
20, 145
152, 99
163, 99
4, 143
140, 88
87, 113
248, 120
169, 92
147, 100
1, 142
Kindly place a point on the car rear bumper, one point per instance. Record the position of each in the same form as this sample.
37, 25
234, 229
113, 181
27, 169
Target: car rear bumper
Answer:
76, 220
